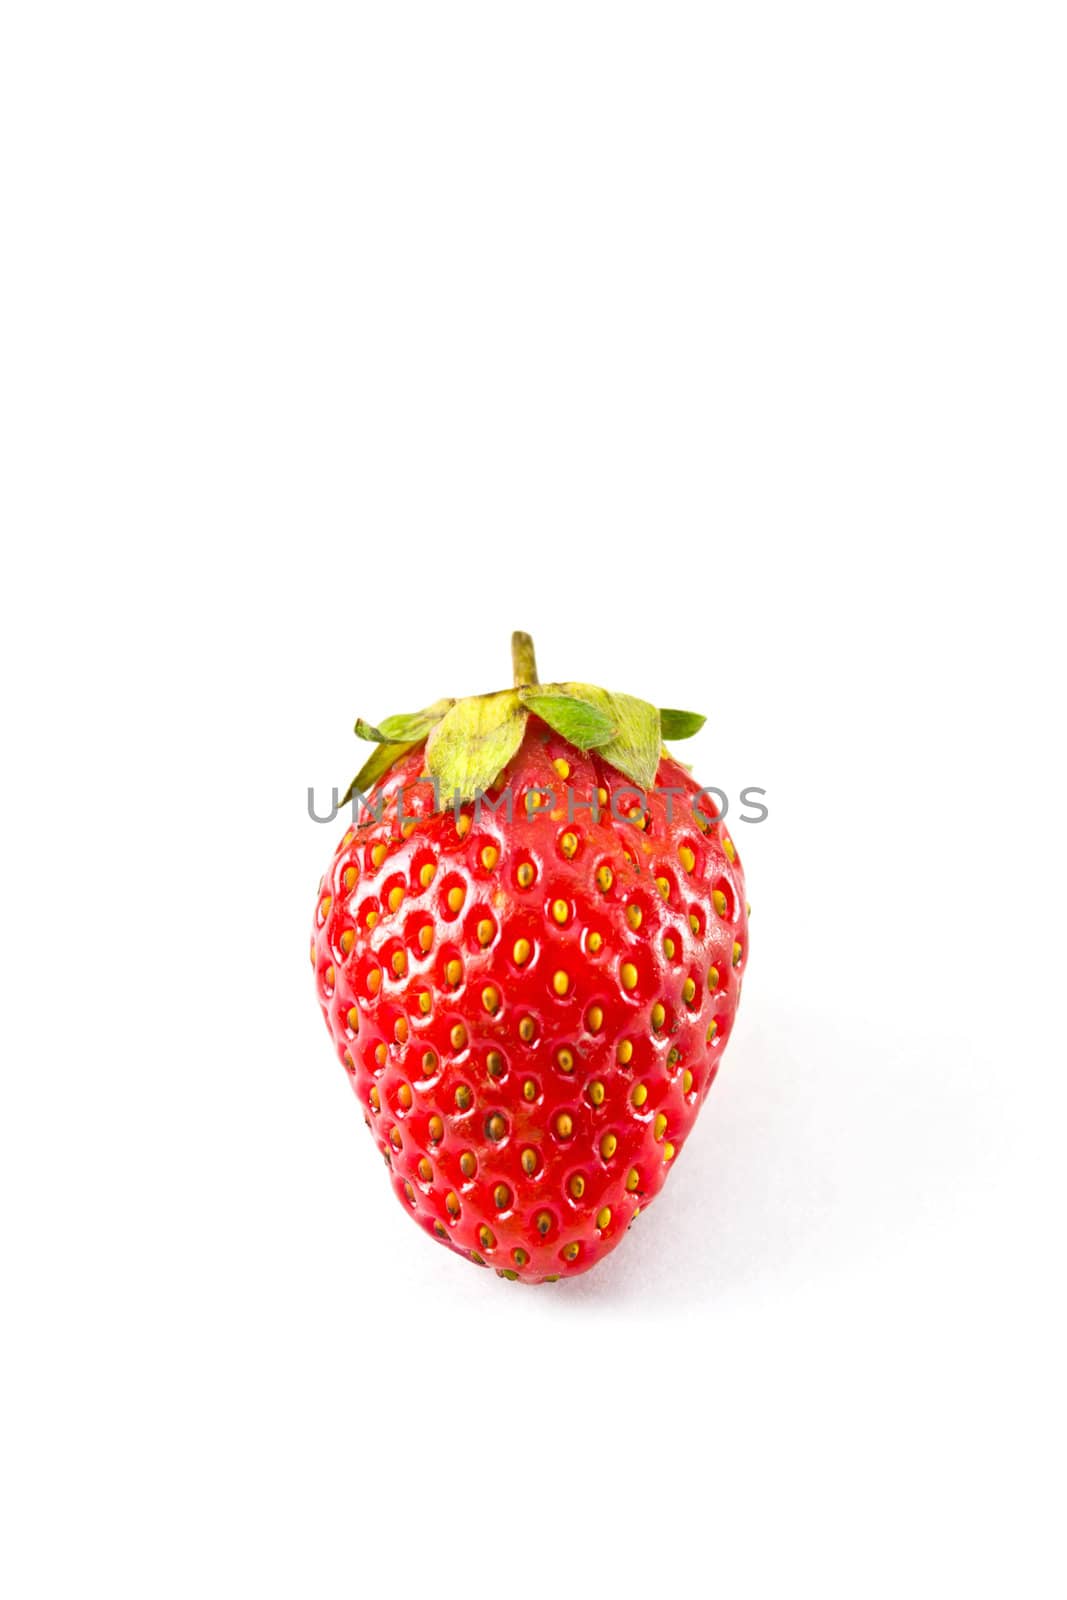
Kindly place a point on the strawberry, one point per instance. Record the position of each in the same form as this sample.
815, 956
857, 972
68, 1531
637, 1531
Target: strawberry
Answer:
530, 1008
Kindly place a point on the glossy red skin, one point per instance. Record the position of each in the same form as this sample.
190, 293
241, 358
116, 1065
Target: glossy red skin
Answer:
379, 1057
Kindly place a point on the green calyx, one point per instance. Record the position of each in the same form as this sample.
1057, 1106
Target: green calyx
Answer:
470, 742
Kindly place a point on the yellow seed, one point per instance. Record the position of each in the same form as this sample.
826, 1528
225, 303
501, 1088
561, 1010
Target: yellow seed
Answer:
668, 947
348, 1061
353, 1019
528, 1160
486, 1238
570, 1251
519, 1257
525, 875
429, 1062
624, 1052
737, 954
374, 980
594, 941
463, 826
436, 1129
659, 1127
491, 999
347, 840
564, 1060
604, 878
689, 989
380, 1054
639, 1095
542, 1222
668, 1151
409, 1192
453, 971
501, 1196
521, 952
455, 898
496, 1127
633, 916
728, 846
441, 1232
663, 885
596, 1092
687, 1081
425, 1002
490, 857
561, 983
594, 1019
425, 936
748, 909
694, 922
527, 1029
399, 963
463, 1097
659, 1016
603, 1218
425, 1170
403, 1095
348, 939
577, 1186
529, 1090
560, 910
426, 874
400, 1030
458, 1036
467, 1164
395, 1140
375, 1098
687, 858
378, 854
396, 896
569, 844
324, 908
633, 1178
564, 1125
628, 974
608, 1146
485, 931
494, 1063
452, 1203
639, 820
407, 830
371, 919
713, 978
718, 900
329, 977
713, 1028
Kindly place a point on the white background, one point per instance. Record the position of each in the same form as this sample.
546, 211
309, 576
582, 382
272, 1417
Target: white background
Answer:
723, 348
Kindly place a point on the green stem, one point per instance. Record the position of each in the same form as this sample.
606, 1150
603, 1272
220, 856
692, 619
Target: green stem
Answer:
523, 660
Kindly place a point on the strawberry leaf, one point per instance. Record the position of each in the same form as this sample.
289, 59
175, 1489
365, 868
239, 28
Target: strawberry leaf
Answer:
377, 764
473, 743
635, 747
408, 728
680, 724
578, 721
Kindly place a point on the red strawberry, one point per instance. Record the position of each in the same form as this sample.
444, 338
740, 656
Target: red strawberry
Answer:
532, 1010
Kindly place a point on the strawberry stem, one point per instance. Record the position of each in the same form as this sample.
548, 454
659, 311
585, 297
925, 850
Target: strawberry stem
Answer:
523, 660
